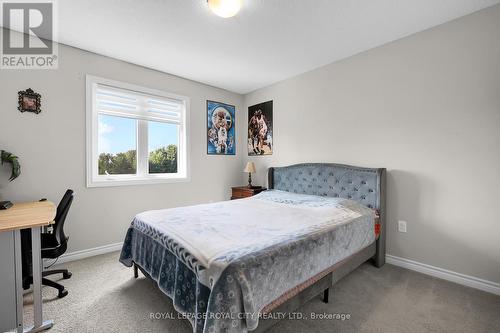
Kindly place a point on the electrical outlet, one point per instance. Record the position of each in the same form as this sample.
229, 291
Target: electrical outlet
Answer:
402, 226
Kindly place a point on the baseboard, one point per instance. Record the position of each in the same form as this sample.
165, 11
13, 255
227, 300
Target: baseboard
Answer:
77, 255
466, 280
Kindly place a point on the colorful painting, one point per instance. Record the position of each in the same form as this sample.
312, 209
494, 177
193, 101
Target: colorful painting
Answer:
220, 129
260, 129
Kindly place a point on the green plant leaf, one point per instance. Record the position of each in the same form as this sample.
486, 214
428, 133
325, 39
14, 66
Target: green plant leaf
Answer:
13, 160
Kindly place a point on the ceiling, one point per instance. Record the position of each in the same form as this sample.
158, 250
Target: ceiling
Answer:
268, 41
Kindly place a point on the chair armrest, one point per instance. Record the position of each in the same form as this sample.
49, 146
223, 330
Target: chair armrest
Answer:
49, 248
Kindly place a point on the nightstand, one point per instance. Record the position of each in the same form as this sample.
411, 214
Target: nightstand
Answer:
245, 192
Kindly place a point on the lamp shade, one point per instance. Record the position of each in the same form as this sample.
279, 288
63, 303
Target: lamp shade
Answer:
250, 167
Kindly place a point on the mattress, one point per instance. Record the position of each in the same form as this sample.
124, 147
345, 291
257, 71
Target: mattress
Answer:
223, 263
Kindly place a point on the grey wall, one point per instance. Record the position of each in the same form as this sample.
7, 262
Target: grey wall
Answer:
426, 107
51, 146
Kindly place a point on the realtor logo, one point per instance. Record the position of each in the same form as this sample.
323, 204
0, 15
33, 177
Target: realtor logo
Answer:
27, 35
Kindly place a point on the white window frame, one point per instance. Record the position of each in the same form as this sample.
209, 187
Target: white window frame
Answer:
143, 176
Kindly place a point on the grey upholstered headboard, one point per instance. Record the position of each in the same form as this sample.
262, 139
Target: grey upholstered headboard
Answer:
365, 185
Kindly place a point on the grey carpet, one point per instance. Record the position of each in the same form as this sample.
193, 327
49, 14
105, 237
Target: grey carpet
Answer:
104, 297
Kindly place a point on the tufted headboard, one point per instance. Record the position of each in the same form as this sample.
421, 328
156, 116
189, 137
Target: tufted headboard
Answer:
365, 185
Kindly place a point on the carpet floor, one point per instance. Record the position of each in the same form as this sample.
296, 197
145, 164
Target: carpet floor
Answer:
104, 297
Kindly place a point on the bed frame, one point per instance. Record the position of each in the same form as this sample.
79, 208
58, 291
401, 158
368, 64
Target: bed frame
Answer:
365, 185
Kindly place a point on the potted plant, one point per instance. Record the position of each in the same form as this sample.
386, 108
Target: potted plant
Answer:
11, 159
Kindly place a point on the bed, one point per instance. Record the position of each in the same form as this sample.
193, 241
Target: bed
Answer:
229, 266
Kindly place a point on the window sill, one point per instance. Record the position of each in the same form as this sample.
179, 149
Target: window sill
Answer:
122, 181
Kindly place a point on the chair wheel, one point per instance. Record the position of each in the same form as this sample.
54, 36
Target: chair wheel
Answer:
62, 293
67, 276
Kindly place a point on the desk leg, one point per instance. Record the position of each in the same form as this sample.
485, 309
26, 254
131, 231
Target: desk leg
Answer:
39, 324
19, 280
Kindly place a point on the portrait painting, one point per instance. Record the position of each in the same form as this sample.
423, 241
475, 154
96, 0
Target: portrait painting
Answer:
260, 129
29, 101
221, 129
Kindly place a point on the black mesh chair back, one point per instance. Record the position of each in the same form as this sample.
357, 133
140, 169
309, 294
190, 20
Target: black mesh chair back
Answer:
62, 212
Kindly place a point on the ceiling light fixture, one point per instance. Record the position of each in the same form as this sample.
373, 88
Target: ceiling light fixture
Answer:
225, 8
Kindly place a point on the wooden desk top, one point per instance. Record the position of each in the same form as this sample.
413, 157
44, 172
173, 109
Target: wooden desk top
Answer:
25, 215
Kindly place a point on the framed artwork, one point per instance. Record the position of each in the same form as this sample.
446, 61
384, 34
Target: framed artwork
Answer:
221, 136
260, 129
29, 101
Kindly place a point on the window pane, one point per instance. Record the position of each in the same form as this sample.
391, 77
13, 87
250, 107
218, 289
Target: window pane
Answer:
117, 144
163, 142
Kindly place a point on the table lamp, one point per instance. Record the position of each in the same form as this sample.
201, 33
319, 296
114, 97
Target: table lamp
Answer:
249, 168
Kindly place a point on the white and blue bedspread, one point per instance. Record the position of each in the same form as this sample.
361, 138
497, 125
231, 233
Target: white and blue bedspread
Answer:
222, 263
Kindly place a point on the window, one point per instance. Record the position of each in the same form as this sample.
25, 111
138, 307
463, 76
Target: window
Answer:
135, 135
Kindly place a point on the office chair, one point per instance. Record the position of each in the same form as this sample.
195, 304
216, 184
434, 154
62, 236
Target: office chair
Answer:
53, 246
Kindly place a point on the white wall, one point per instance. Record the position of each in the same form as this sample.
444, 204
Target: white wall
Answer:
51, 147
426, 107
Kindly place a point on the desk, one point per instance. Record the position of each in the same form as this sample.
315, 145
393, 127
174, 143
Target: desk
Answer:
32, 215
